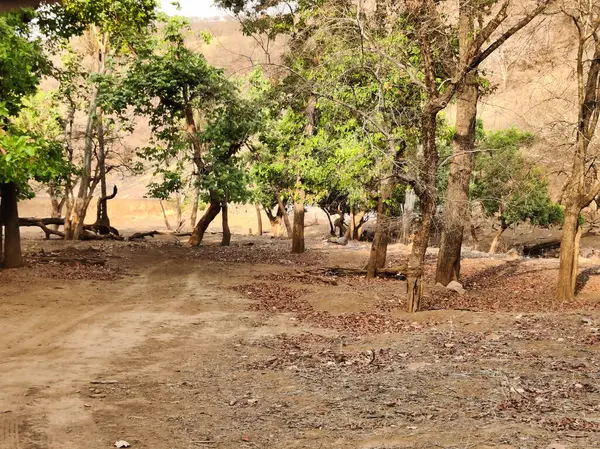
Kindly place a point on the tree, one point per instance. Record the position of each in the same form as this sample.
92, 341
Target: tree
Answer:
22, 63
111, 29
24, 158
471, 27
197, 118
582, 185
510, 187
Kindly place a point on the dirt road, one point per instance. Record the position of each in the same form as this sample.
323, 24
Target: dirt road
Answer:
207, 348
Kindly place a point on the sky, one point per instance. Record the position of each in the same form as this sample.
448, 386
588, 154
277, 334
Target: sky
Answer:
193, 8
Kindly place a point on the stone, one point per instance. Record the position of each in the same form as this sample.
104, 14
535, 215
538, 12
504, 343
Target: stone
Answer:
457, 287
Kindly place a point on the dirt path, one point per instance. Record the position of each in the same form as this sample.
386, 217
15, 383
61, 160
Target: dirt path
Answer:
199, 364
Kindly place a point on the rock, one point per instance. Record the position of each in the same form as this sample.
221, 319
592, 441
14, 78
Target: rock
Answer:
457, 287
556, 446
512, 254
122, 443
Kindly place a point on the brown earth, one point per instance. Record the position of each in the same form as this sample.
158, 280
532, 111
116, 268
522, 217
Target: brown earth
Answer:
243, 347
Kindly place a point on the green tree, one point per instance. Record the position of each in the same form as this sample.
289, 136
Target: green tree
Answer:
22, 63
510, 187
110, 30
197, 116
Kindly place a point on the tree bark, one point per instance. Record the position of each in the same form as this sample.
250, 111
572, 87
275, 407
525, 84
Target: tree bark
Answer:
457, 200
410, 199
569, 255
298, 232
226, 241
211, 213
102, 208
180, 220
416, 261
285, 216
496, 240
378, 255
195, 203
164, 213
10, 219
259, 220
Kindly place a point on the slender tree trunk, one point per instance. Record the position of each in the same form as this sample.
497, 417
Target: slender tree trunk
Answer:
259, 219
331, 228
569, 255
457, 200
1, 235
211, 213
12, 235
496, 240
102, 212
180, 220
378, 255
360, 216
416, 260
352, 225
410, 200
164, 213
75, 227
285, 216
226, 241
195, 203
298, 232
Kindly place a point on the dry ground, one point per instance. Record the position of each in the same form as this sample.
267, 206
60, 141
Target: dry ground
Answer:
236, 348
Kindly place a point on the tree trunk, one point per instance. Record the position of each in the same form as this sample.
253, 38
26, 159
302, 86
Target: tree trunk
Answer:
211, 213
569, 255
457, 200
226, 241
358, 226
164, 213
102, 208
10, 219
259, 220
180, 220
274, 220
378, 255
410, 200
331, 228
195, 203
298, 232
496, 240
284, 215
351, 225
56, 203
427, 197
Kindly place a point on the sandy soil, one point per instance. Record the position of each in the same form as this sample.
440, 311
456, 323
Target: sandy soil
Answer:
244, 347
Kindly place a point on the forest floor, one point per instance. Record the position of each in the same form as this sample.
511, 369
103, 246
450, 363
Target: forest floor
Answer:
165, 346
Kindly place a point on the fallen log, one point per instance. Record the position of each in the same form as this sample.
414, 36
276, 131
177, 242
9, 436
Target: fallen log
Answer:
42, 224
142, 235
389, 273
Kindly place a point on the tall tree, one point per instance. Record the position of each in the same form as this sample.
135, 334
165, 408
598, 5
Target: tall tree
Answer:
582, 185
110, 29
22, 63
470, 25
196, 115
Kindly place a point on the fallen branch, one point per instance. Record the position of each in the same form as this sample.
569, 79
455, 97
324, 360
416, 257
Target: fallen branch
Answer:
41, 223
142, 235
393, 272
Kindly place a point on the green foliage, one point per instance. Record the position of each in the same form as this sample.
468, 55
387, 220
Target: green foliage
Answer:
25, 157
117, 18
172, 86
508, 185
22, 62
